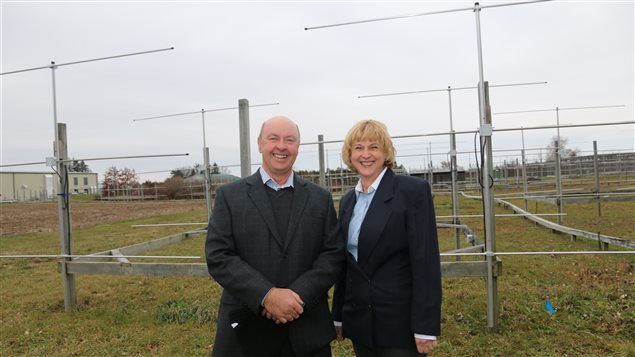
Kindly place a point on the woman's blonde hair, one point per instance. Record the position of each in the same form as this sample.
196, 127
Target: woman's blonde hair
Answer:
372, 130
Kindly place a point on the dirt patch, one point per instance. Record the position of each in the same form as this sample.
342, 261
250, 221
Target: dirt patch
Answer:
44, 217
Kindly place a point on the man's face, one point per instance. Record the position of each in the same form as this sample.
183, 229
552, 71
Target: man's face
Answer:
279, 144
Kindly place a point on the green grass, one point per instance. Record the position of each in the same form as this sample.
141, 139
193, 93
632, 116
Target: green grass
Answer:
175, 316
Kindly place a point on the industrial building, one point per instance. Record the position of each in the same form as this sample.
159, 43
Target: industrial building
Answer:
42, 186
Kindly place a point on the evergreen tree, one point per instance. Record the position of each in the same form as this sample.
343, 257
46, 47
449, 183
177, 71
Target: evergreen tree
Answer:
215, 169
79, 166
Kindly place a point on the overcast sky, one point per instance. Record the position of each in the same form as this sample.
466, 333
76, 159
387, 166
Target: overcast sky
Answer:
225, 51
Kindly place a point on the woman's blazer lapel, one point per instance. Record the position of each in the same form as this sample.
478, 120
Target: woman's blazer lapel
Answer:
376, 218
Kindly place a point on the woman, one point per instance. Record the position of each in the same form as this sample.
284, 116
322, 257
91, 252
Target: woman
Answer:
388, 300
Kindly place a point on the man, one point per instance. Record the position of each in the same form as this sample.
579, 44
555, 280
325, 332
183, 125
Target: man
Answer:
273, 244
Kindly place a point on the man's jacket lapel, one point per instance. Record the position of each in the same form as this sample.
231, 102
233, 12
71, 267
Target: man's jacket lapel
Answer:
258, 195
300, 200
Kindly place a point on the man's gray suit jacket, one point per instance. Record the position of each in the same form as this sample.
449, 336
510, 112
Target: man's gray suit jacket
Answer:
247, 257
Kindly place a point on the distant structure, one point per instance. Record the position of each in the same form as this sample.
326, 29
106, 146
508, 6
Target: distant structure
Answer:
608, 164
42, 186
576, 166
439, 175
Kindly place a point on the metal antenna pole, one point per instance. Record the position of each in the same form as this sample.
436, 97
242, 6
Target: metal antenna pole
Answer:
64, 209
453, 169
245, 144
203, 123
488, 199
328, 172
596, 173
558, 124
558, 168
525, 187
430, 163
56, 149
321, 159
208, 179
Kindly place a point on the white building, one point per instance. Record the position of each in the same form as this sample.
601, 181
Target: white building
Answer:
34, 186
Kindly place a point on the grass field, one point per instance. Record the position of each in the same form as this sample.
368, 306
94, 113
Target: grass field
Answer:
175, 316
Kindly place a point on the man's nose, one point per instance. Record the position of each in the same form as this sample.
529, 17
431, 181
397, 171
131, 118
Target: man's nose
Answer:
281, 144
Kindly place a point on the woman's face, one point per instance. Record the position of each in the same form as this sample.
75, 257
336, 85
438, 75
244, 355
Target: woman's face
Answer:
368, 158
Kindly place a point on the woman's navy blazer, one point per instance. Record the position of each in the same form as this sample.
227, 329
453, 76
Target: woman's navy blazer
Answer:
393, 290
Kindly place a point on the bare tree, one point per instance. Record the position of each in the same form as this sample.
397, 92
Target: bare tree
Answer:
564, 151
115, 178
173, 186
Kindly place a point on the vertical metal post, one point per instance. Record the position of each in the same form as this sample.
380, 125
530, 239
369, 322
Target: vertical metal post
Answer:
203, 123
453, 169
430, 168
328, 172
341, 177
489, 213
505, 172
524, 178
558, 169
321, 158
558, 183
208, 182
558, 125
245, 148
488, 199
597, 180
63, 200
206, 165
525, 188
56, 149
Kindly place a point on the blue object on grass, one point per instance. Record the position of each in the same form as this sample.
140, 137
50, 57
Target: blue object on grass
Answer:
549, 307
